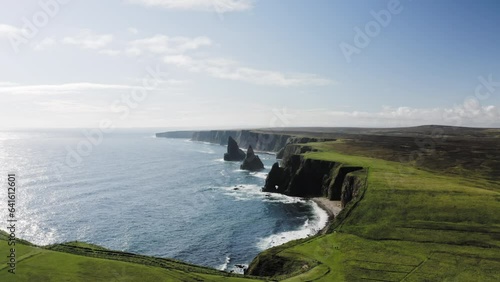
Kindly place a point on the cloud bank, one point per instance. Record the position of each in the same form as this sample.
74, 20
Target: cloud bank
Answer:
231, 70
219, 6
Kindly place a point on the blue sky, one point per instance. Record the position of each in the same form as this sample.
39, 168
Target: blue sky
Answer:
244, 63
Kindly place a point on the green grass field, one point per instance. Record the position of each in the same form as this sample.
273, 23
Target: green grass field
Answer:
84, 262
409, 224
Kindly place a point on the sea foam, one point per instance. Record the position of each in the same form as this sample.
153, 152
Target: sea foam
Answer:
310, 228
223, 267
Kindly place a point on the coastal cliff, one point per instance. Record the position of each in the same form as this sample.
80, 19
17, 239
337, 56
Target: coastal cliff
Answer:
175, 134
259, 141
297, 174
301, 176
304, 177
268, 141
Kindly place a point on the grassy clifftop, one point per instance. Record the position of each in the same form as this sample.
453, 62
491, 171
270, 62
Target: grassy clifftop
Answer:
412, 224
78, 261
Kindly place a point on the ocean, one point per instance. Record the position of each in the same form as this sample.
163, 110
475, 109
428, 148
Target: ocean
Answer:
130, 191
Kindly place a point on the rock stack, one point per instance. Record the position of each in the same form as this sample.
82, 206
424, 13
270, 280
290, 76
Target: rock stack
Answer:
252, 162
234, 153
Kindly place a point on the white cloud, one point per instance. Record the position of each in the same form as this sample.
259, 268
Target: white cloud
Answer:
470, 113
88, 40
46, 42
7, 83
110, 52
82, 87
7, 31
161, 44
219, 6
133, 30
60, 106
227, 69
172, 49
49, 89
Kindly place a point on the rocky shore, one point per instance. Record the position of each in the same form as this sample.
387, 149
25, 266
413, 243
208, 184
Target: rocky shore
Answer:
332, 208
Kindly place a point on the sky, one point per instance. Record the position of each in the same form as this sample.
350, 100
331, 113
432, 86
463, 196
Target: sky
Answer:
249, 63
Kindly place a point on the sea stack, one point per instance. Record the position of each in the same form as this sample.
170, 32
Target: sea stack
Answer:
234, 153
276, 180
252, 162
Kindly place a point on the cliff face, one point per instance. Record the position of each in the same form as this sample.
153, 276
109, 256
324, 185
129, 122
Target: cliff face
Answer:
270, 142
175, 134
292, 146
258, 141
293, 149
261, 141
303, 177
351, 188
300, 177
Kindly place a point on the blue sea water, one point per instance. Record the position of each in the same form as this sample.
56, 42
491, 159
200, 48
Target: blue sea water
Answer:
155, 196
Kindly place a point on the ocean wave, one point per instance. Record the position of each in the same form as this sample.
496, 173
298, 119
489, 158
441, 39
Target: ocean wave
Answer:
200, 142
247, 192
309, 228
206, 189
238, 268
265, 152
279, 198
235, 268
244, 192
208, 151
262, 175
223, 266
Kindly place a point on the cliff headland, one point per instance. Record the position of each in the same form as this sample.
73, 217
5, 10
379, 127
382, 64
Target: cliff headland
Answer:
419, 204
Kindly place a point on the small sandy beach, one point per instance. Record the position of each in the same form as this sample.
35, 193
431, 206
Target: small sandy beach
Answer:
333, 208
